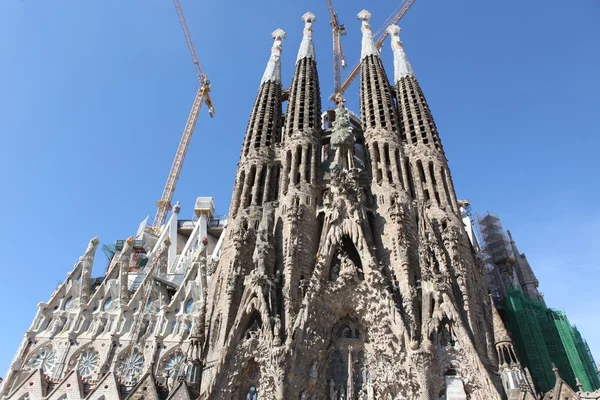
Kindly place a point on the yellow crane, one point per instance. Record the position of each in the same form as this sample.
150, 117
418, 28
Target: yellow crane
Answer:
202, 96
403, 8
339, 60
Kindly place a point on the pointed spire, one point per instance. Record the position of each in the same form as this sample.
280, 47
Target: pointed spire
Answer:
368, 45
307, 46
87, 259
402, 67
273, 70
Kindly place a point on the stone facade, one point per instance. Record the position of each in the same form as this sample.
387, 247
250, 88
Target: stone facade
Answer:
344, 272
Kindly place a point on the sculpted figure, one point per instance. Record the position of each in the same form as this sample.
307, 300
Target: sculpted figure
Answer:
277, 330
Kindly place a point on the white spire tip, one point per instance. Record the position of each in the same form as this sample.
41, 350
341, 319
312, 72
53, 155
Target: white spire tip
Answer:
394, 30
309, 18
307, 47
278, 34
364, 16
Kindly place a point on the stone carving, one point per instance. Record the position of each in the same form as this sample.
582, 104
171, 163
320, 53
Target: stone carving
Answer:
331, 284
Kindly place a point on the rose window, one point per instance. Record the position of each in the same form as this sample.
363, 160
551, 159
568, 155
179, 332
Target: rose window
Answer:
131, 367
88, 362
174, 365
44, 360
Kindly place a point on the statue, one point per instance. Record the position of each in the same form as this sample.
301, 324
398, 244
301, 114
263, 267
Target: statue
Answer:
277, 330
99, 324
58, 324
333, 394
342, 138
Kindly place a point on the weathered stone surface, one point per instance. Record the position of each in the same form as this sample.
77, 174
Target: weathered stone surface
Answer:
344, 272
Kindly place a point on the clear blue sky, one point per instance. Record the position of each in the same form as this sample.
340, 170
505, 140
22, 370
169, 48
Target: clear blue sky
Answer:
94, 95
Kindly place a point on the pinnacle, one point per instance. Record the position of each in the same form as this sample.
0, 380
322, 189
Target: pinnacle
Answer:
273, 70
402, 67
307, 46
368, 45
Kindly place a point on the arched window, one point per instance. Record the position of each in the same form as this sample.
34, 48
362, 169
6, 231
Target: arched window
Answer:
348, 367
189, 305
68, 303
252, 393
107, 304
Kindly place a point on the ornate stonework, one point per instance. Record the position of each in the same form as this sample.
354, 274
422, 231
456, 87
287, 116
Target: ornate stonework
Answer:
344, 271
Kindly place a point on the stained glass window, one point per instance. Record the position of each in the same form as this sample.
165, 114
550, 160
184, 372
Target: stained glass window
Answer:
174, 365
189, 305
252, 393
44, 359
107, 304
88, 362
131, 367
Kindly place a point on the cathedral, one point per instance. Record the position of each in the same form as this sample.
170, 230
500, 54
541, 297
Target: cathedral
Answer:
343, 271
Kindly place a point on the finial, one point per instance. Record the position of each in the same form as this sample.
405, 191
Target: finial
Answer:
368, 45
364, 16
130, 240
555, 369
307, 47
308, 19
177, 208
273, 70
402, 67
167, 241
278, 35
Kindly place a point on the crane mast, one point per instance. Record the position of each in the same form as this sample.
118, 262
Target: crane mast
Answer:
339, 60
356, 70
202, 96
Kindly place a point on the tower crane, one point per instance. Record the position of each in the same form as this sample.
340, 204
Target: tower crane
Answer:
379, 42
202, 96
339, 60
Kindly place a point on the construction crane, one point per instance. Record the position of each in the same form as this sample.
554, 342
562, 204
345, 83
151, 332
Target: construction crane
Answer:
339, 60
202, 96
379, 42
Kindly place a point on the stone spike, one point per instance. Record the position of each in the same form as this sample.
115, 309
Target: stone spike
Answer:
273, 70
368, 44
307, 46
402, 67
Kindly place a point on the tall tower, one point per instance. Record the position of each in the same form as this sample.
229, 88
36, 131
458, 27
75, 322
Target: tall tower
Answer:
344, 271
355, 281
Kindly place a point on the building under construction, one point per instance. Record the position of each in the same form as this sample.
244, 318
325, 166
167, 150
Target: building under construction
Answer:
542, 336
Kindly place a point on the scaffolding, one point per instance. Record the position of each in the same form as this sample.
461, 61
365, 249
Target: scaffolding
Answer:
497, 255
496, 245
543, 337
522, 317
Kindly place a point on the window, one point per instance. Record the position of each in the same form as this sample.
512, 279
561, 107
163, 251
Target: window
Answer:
252, 393
68, 303
107, 304
189, 305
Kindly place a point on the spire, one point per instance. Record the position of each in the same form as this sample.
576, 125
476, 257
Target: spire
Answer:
307, 46
368, 45
528, 280
87, 259
273, 70
304, 107
402, 67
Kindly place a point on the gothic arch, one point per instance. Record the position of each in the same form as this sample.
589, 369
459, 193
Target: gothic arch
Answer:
170, 364
252, 325
36, 358
129, 365
345, 255
348, 374
87, 360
